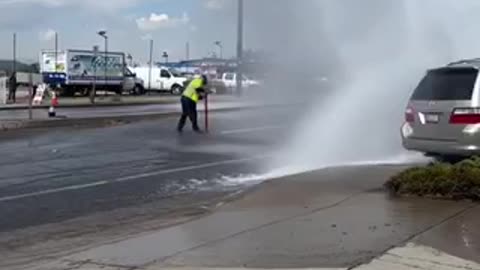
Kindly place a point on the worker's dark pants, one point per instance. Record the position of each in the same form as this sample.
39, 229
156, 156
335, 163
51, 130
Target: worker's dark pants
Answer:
12, 95
189, 109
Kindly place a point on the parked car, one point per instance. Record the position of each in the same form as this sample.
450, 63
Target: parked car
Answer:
229, 79
443, 115
161, 79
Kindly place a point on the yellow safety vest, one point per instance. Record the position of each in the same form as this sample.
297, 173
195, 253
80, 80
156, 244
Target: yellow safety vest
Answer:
191, 91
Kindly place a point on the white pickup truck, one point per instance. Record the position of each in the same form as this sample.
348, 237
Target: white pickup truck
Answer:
161, 79
229, 79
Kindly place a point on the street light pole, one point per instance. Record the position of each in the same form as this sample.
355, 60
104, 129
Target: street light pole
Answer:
150, 63
94, 82
56, 51
103, 34
106, 61
130, 60
165, 55
220, 46
239, 47
14, 63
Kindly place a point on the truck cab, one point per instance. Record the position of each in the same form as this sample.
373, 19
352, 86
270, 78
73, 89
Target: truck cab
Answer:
132, 84
161, 79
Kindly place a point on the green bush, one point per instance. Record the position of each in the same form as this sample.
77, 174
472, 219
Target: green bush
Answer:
440, 180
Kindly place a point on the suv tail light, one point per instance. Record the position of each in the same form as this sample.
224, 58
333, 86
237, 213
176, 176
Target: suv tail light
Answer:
465, 116
409, 115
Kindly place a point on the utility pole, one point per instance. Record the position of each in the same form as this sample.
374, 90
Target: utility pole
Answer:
165, 56
150, 63
187, 51
240, 47
220, 46
14, 63
30, 95
56, 51
103, 34
106, 63
94, 83
130, 60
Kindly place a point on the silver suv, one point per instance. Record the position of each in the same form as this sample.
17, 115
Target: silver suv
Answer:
443, 115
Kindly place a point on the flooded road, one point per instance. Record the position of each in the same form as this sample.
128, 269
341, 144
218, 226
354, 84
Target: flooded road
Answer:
68, 173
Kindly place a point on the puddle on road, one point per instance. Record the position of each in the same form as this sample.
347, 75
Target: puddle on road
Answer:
219, 183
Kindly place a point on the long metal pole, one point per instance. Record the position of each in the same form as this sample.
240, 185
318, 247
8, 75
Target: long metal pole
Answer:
30, 95
187, 51
56, 51
240, 47
94, 82
105, 68
220, 48
150, 63
207, 128
14, 63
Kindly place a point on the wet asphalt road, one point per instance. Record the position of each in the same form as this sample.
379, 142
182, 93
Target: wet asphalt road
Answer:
49, 177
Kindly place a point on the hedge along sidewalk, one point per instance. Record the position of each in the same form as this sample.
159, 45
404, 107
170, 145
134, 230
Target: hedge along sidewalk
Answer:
460, 181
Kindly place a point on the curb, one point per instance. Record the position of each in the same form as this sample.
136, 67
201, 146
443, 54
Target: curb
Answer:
125, 104
10, 125
168, 100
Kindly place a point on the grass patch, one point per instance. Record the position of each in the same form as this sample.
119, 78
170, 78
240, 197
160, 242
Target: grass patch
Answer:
460, 181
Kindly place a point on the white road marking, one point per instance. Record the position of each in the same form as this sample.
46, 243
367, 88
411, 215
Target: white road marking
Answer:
249, 130
129, 178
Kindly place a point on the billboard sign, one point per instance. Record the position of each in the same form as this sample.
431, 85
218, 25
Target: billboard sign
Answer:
88, 65
48, 64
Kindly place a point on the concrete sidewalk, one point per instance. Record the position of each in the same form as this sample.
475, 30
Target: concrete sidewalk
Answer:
337, 218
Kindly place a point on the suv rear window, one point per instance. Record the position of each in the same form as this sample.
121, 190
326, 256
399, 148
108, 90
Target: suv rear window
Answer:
447, 84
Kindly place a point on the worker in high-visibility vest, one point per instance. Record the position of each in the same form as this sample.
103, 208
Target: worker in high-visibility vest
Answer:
190, 97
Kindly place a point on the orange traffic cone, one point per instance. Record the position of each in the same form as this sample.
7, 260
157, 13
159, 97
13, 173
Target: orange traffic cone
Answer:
53, 104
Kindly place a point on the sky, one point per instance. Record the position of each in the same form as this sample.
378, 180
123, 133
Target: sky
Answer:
130, 25
303, 31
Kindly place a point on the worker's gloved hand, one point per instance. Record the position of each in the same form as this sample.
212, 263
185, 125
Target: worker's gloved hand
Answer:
201, 93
